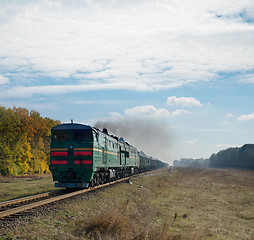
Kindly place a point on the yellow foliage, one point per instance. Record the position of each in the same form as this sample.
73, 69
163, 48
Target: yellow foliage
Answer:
24, 142
44, 167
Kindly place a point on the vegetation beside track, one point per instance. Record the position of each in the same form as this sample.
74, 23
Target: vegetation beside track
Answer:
22, 186
24, 141
189, 204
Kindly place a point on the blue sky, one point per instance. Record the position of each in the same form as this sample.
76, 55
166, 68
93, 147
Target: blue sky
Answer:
179, 74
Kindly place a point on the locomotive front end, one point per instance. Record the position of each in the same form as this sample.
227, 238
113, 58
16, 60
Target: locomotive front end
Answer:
71, 155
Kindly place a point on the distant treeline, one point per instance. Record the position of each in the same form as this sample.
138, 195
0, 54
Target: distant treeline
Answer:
24, 141
230, 158
190, 162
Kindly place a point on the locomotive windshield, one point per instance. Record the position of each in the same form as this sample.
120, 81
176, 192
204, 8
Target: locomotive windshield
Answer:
61, 136
73, 135
82, 135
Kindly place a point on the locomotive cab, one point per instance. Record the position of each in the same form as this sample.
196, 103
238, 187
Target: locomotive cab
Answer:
71, 155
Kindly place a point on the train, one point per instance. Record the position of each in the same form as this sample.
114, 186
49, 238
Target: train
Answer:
82, 156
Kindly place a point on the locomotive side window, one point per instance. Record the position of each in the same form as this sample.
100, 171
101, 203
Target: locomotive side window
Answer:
82, 135
61, 136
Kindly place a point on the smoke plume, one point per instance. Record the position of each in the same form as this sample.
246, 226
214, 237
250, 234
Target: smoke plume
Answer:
146, 134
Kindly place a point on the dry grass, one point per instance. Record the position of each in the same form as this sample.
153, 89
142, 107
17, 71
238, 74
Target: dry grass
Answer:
114, 224
189, 204
21, 186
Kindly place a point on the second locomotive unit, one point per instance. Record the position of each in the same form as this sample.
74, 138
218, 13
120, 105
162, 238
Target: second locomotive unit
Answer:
83, 156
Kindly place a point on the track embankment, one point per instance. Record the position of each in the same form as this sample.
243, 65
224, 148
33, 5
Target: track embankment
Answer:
18, 206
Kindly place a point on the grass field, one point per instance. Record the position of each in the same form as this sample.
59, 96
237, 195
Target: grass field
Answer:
189, 204
16, 187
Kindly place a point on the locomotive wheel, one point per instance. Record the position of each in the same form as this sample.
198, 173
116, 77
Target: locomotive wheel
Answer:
100, 179
94, 182
91, 184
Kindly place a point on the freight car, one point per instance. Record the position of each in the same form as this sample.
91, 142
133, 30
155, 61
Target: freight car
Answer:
83, 156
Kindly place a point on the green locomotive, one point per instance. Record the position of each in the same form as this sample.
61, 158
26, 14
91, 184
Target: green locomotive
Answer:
83, 156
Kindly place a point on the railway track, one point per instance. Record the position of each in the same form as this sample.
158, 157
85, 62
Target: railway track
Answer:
15, 202
26, 206
18, 207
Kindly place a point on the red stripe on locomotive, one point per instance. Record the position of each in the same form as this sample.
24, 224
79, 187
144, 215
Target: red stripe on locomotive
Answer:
83, 162
59, 162
83, 153
59, 153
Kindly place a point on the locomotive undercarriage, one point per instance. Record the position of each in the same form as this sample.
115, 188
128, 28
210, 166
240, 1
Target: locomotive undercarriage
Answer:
102, 176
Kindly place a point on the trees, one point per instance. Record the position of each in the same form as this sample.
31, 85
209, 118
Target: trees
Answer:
230, 158
24, 141
234, 157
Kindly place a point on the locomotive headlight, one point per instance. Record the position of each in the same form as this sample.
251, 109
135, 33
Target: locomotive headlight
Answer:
71, 147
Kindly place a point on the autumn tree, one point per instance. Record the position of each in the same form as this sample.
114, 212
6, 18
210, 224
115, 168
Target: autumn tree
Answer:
24, 141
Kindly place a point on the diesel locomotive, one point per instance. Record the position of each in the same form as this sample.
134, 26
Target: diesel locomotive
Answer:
83, 156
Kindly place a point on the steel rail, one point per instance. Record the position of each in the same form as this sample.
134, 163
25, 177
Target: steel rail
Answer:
23, 199
53, 199
29, 206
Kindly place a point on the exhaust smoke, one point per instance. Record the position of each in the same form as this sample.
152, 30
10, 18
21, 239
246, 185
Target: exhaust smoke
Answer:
147, 134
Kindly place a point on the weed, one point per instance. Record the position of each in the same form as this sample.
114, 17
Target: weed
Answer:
7, 237
109, 223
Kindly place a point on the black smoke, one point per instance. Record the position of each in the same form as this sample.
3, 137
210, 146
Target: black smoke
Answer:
151, 136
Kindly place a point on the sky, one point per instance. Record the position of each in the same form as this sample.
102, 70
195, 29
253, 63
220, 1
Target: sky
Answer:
180, 71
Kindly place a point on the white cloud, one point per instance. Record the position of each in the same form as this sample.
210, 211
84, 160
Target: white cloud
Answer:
180, 111
139, 113
153, 44
147, 111
27, 92
184, 101
229, 115
4, 80
247, 78
192, 141
246, 117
